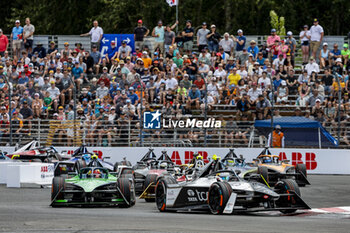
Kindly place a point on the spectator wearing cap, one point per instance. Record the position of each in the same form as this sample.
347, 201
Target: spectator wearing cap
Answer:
129, 108
139, 33
27, 115
263, 107
54, 93
122, 67
345, 53
124, 49
313, 98
28, 32
112, 52
202, 40
52, 50
4, 43
324, 56
317, 33
240, 43
66, 49
76, 72
291, 43
312, 66
40, 50
305, 36
89, 61
253, 49
188, 33
231, 63
96, 55
96, 34
282, 93
227, 44
271, 41
128, 64
17, 37
244, 57
213, 39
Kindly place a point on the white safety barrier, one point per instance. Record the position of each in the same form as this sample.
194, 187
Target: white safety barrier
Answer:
318, 161
13, 174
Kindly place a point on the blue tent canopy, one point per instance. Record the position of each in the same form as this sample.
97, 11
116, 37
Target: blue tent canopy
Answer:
299, 131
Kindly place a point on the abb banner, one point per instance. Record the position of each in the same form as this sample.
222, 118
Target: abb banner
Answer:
317, 161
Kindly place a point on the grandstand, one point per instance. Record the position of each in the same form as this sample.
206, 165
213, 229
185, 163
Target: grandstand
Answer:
97, 128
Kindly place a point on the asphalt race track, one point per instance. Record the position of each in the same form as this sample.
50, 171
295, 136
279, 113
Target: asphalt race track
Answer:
28, 210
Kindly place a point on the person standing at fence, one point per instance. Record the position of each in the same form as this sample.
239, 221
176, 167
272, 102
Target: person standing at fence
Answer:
305, 36
17, 36
96, 33
140, 32
317, 33
158, 33
277, 139
28, 32
4, 43
187, 34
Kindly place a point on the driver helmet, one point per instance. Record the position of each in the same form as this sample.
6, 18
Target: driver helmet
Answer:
267, 160
230, 163
224, 176
163, 165
97, 173
215, 157
199, 157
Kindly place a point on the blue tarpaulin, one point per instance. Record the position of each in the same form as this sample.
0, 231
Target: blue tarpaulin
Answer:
299, 131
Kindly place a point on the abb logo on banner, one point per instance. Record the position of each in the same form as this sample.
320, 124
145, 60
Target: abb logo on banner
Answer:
175, 157
297, 157
97, 152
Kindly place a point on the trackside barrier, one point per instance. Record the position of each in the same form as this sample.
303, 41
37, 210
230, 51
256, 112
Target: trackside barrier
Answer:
13, 174
318, 161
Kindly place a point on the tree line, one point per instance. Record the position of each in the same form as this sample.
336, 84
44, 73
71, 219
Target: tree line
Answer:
72, 17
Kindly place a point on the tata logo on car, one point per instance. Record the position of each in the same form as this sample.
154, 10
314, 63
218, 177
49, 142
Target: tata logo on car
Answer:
190, 193
195, 196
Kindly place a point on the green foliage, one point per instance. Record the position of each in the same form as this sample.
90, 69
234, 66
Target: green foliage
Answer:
277, 24
120, 16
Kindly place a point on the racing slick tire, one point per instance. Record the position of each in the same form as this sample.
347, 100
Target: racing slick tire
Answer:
300, 168
161, 192
58, 185
218, 195
79, 164
127, 187
127, 172
285, 186
263, 171
150, 178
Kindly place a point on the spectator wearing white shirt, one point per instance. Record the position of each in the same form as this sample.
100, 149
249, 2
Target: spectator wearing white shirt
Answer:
102, 91
242, 72
317, 33
96, 34
227, 44
220, 71
277, 62
312, 66
171, 83
264, 82
254, 93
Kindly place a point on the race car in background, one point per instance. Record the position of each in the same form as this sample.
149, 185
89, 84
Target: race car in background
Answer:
33, 152
147, 171
223, 191
93, 186
272, 169
81, 158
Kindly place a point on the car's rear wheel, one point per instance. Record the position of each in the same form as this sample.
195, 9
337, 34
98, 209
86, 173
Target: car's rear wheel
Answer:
287, 186
264, 175
300, 169
58, 185
127, 187
219, 193
150, 178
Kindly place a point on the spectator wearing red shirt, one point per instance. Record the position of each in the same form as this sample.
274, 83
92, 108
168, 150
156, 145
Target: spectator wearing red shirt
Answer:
199, 82
104, 79
4, 43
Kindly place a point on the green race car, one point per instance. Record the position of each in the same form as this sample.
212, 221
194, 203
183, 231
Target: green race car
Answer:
93, 186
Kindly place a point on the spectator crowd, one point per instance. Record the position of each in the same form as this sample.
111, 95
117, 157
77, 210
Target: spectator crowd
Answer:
188, 72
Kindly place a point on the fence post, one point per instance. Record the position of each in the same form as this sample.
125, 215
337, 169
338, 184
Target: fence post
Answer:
39, 131
129, 141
